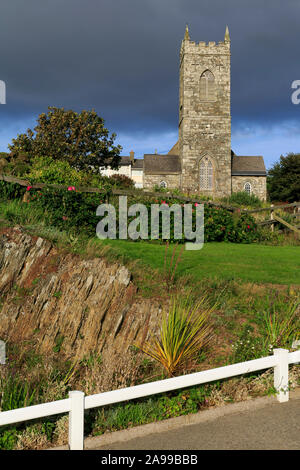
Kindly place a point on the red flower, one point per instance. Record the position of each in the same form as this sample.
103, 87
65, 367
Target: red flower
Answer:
28, 188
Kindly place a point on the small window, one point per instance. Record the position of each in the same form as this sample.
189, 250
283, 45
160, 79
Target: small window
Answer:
163, 184
207, 86
247, 188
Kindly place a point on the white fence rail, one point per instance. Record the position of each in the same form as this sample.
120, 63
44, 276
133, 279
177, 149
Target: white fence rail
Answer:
77, 402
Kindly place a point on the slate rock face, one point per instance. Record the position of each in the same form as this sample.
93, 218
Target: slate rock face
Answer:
54, 298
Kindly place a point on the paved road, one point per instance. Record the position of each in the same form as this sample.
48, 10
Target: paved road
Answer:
272, 426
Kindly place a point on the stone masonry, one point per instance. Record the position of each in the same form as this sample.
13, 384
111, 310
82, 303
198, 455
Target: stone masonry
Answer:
205, 124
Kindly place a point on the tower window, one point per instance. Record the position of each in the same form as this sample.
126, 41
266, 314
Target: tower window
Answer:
207, 86
206, 174
248, 188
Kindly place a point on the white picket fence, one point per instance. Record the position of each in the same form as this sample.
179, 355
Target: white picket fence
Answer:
78, 402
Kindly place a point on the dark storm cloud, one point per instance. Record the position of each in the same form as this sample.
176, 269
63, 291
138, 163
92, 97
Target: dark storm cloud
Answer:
121, 57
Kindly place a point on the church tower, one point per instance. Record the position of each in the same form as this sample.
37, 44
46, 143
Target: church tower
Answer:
204, 116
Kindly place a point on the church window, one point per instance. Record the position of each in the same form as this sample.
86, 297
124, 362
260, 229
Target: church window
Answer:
163, 184
247, 188
207, 86
206, 174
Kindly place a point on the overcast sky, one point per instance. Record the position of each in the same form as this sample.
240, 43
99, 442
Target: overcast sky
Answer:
121, 57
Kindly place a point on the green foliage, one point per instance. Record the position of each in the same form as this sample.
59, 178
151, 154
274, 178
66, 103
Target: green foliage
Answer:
69, 209
9, 191
15, 393
248, 346
156, 408
8, 438
51, 171
184, 331
47, 170
121, 181
283, 181
58, 343
222, 225
78, 138
242, 198
281, 323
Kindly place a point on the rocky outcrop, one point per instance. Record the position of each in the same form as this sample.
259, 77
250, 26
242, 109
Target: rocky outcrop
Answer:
62, 302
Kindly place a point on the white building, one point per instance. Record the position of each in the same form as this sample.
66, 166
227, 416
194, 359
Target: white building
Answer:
129, 166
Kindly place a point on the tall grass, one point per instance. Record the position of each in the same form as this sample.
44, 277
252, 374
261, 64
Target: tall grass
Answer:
18, 212
282, 326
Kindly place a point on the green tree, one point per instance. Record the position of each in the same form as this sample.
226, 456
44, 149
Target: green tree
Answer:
78, 138
284, 179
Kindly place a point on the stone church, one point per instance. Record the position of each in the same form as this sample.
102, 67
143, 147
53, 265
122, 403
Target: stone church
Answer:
201, 161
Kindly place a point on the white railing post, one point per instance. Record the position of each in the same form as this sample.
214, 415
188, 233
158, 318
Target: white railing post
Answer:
76, 420
281, 374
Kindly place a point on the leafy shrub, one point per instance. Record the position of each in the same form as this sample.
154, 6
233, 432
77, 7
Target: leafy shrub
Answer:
72, 209
47, 170
242, 198
121, 181
8, 438
9, 191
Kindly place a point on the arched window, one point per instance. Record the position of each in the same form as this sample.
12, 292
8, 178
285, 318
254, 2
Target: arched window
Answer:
206, 174
207, 86
163, 184
247, 187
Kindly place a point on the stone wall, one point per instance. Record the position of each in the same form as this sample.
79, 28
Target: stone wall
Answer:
258, 185
173, 181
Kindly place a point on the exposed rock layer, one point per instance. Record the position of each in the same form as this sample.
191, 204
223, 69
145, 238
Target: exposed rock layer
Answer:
60, 301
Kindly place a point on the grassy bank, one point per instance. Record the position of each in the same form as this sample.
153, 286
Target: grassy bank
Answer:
250, 263
243, 282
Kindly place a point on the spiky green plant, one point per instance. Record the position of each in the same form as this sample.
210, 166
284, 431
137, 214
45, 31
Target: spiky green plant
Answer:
185, 329
282, 327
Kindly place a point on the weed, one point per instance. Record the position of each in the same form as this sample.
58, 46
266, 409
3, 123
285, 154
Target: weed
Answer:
58, 343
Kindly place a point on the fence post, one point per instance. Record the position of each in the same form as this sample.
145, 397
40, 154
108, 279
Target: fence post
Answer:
76, 420
272, 217
2, 352
281, 374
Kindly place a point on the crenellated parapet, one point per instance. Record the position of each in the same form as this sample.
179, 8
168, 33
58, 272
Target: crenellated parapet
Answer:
202, 47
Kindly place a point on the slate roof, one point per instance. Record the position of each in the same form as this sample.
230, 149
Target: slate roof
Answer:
125, 161
155, 164
247, 166
138, 164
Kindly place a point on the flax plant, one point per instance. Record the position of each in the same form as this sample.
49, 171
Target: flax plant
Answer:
184, 331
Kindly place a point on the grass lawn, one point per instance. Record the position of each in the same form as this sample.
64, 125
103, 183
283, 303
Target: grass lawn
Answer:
253, 263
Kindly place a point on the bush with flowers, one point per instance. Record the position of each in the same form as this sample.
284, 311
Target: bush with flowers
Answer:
73, 210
